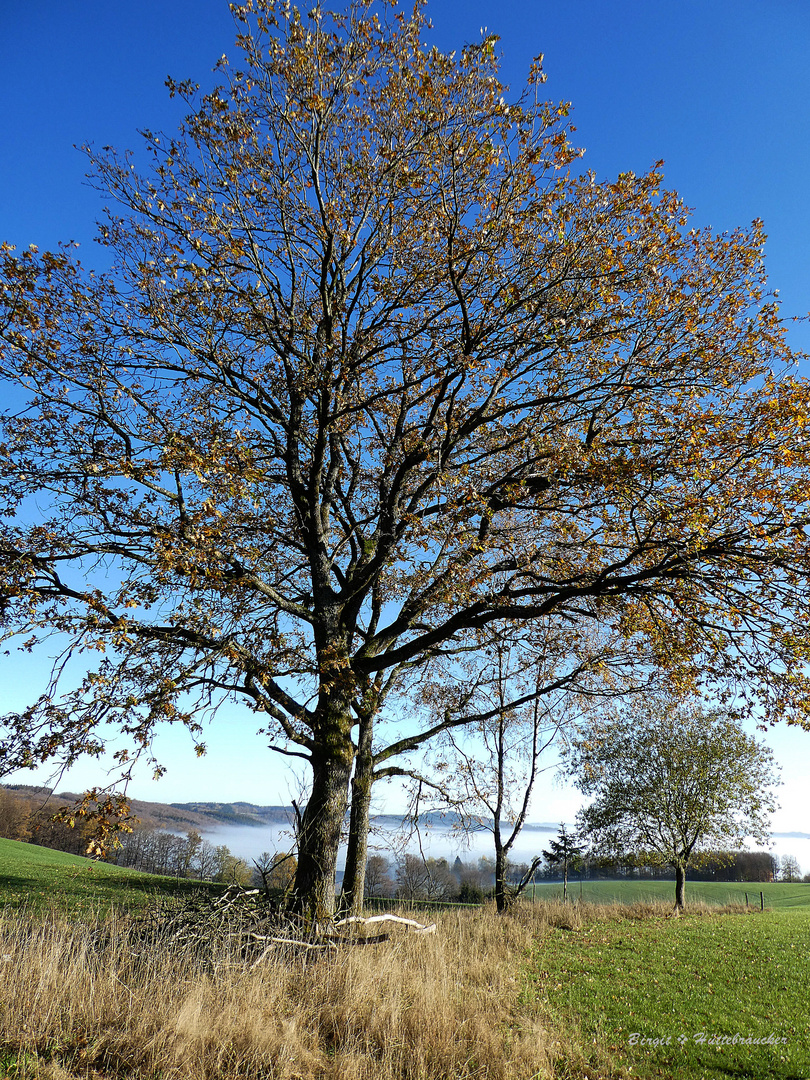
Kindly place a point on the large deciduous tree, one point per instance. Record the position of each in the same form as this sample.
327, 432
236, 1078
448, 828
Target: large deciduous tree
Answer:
369, 372
672, 781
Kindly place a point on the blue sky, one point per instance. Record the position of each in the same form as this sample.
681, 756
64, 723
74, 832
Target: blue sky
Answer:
719, 90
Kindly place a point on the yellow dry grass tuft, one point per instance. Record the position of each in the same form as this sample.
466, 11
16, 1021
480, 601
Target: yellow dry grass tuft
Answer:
76, 1004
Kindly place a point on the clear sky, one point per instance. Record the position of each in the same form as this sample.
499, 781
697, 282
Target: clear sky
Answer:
719, 90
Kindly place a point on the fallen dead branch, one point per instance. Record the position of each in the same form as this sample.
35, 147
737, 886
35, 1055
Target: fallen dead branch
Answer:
240, 923
419, 928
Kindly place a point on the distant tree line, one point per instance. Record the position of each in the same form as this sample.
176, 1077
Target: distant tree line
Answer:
157, 851
712, 866
412, 877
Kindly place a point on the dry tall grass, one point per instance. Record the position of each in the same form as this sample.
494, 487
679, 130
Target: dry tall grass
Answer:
75, 1003
416, 1007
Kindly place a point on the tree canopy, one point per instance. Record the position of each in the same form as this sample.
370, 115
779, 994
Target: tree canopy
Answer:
672, 781
370, 372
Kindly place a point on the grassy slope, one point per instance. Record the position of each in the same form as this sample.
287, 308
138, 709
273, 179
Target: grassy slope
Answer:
668, 980
42, 877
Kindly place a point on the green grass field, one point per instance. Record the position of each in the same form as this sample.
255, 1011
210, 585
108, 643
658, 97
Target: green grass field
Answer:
41, 878
699, 997
777, 894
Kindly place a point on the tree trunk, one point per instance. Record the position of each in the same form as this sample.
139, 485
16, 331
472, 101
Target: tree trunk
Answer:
354, 878
565, 881
501, 898
680, 886
322, 821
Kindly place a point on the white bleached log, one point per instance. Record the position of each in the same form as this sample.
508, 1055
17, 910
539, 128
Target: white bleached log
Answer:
419, 928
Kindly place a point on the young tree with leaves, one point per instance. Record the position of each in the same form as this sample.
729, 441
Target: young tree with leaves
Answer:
275, 872
789, 869
672, 780
369, 372
563, 854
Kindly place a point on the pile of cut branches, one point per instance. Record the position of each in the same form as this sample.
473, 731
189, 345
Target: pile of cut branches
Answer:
244, 924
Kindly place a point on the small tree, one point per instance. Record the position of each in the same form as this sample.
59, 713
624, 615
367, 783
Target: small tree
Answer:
564, 853
506, 707
789, 869
207, 862
190, 850
412, 877
274, 873
420, 878
232, 870
670, 780
378, 881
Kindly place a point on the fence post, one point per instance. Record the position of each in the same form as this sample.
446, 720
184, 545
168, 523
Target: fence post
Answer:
762, 901
746, 899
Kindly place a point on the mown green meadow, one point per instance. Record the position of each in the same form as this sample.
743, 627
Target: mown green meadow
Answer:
777, 894
701, 996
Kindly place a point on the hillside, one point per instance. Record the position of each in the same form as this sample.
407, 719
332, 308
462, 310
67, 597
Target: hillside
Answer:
235, 813
175, 817
39, 877
204, 815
